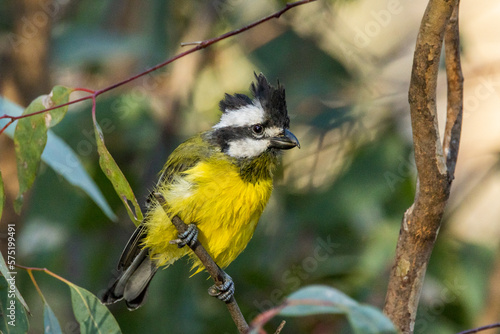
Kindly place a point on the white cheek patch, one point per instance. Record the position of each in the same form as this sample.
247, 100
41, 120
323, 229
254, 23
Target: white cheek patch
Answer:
244, 116
247, 148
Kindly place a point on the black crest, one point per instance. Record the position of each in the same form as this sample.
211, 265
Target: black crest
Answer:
232, 102
271, 98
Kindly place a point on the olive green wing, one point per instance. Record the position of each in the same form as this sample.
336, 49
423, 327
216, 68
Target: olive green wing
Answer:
184, 157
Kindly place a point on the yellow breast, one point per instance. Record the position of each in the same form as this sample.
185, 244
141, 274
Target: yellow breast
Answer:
212, 195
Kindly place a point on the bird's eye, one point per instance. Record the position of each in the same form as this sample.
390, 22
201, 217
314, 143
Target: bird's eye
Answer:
258, 129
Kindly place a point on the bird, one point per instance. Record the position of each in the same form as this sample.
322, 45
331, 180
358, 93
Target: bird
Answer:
218, 182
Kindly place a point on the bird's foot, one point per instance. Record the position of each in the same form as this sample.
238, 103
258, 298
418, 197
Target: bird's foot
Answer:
223, 291
188, 237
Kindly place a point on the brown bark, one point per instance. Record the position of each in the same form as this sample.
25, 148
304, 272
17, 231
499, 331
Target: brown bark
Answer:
421, 222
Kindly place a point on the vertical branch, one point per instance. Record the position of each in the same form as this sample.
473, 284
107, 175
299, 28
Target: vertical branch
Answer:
421, 222
455, 92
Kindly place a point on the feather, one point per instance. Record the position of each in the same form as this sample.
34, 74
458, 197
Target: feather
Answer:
272, 100
233, 102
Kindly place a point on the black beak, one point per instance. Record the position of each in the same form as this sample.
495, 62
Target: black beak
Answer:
285, 141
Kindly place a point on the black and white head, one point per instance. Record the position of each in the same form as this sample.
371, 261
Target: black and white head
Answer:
249, 127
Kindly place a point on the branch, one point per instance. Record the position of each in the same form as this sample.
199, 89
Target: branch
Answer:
213, 269
480, 329
421, 222
455, 92
199, 46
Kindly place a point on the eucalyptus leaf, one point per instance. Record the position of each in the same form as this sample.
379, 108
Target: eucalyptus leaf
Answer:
14, 319
64, 161
6, 273
90, 313
29, 139
319, 299
58, 95
60, 157
50, 323
118, 180
30, 136
366, 319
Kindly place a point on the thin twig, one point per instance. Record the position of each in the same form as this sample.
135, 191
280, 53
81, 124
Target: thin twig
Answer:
47, 271
199, 46
30, 273
480, 329
280, 327
421, 222
191, 43
212, 268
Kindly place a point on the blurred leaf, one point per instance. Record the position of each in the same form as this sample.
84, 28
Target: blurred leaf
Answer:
30, 137
13, 319
329, 300
369, 319
92, 315
50, 322
317, 299
5, 271
115, 175
62, 159
2, 195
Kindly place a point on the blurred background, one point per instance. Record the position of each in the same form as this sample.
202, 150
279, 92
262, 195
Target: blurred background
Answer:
335, 213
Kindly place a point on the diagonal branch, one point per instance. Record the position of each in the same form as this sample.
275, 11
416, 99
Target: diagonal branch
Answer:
480, 329
212, 268
421, 222
199, 46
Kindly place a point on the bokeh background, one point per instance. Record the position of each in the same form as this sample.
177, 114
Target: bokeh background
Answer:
335, 213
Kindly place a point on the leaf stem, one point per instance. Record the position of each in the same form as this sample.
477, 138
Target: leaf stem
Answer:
45, 270
30, 273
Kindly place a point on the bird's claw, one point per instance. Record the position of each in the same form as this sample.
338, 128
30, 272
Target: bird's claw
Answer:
188, 237
223, 291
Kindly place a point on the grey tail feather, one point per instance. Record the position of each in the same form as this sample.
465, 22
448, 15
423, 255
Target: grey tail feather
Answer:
133, 283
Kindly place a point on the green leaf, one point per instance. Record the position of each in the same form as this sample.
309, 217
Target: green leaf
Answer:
7, 270
64, 161
115, 175
60, 157
30, 137
318, 299
14, 319
90, 313
59, 95
368, 319
2, 195
50, 322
